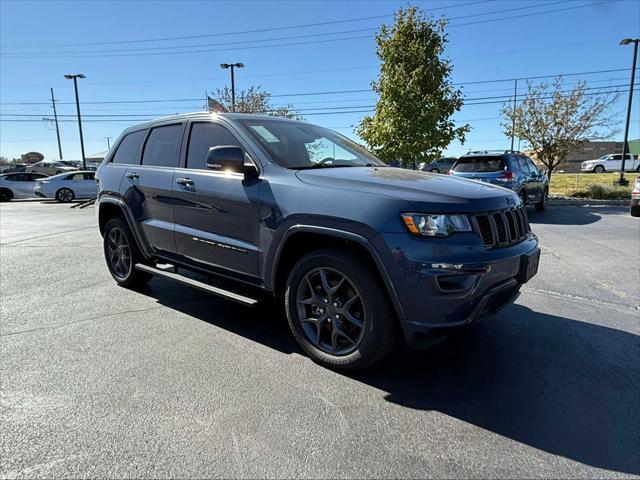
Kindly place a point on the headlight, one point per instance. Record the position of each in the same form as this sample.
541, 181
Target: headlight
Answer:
435, 225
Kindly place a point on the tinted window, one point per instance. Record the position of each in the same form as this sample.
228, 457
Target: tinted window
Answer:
128, 149
203, 137
163, 146
37, 176
479, 164
532, 166
89, 176
10, 178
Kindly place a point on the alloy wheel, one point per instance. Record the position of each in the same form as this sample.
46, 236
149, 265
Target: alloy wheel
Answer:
119, 253
65, 195
331, 311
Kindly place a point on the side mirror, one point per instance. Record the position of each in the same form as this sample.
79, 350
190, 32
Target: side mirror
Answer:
226, 158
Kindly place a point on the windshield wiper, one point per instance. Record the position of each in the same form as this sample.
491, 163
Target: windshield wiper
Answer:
320, 165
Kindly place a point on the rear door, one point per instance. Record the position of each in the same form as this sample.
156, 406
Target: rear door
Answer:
89, 186
535, 178
24, 184
147, 187
216, 212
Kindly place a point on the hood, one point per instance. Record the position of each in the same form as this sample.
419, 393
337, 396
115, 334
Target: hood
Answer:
428, 192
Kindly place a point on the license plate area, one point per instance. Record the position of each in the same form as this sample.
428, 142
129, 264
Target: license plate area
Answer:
529, 266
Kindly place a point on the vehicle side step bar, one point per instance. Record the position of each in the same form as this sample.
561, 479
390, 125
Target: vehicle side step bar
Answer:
197, 284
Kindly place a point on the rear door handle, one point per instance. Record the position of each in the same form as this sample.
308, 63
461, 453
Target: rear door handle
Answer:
187, 182
133, 175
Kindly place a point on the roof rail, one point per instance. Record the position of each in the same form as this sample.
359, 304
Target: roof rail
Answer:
490, 152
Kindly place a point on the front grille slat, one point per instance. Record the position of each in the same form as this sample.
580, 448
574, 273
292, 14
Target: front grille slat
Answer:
502, 228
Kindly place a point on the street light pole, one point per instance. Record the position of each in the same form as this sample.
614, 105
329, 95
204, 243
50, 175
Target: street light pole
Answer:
627, 41
513, 124
232, 66
75, 78
108, 143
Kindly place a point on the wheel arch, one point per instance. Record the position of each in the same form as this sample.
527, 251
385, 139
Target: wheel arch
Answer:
301, 239
108, 208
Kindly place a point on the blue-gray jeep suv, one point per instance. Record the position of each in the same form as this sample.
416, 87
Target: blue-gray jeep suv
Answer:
357, 252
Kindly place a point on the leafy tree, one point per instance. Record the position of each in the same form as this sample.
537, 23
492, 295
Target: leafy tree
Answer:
412, 120
554, 122
253, 100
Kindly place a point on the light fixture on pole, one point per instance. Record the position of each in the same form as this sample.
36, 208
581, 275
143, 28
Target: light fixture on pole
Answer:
627, 41
233, 84
75, 78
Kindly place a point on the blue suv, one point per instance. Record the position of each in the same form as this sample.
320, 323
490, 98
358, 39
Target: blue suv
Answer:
512, 170
357, 254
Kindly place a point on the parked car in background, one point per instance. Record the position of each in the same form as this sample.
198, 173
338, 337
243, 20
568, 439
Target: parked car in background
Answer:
356, 251
512, 170
68, 186
635, 198
442, 165
50, 168
18, 185
611, 163
16, 167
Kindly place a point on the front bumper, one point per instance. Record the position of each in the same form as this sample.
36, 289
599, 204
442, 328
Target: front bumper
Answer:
452, 285
587, 168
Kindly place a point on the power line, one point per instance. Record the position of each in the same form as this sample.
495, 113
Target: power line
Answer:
273, 39
242, 32
289, 44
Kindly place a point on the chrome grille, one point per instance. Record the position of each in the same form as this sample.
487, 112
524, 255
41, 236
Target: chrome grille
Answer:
499, 229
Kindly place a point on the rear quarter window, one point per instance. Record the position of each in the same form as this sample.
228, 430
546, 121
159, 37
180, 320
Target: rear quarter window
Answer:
479, 164
129, 148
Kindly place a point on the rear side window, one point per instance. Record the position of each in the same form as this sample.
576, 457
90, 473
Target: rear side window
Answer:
479, 164
76, 177
163, 146
127, 152
203, 137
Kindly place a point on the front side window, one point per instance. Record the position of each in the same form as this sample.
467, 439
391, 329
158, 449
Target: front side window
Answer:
127, 152
163, 146
299, 145
204, 136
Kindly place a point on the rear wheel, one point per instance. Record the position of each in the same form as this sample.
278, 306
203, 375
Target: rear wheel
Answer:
599, 169
338, 310
542, 204
122, 253
5, 195
65, 195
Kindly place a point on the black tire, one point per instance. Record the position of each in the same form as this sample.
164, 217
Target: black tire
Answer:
65, 195
376, 333
523, 197
635, 210
599, 169
128, 255
434, 170
638, 169
542, 204
5, 195
58, 172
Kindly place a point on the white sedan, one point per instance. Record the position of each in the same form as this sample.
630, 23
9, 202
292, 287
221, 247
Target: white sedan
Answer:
18, 185
68, 186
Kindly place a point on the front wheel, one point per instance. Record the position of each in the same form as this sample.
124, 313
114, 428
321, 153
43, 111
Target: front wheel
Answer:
542, 204
599, 169
338, 310
5, 195
65, 195
122, 253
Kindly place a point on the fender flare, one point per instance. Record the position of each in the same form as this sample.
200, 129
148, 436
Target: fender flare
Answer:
128, 218
347, 235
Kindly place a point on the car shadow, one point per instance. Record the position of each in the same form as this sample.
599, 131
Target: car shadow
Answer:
573, 215
559, 385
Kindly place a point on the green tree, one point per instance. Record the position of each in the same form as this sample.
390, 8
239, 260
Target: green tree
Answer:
253, 100
554, 122
412, 120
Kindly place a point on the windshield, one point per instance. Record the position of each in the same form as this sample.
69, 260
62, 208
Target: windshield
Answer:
300, 145
479, 164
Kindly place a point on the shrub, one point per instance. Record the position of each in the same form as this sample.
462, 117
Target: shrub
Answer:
599, 191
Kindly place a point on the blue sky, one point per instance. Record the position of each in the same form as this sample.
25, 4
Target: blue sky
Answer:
41, 41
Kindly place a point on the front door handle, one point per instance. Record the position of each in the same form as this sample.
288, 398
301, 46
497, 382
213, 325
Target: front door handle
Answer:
187, 182
133, 176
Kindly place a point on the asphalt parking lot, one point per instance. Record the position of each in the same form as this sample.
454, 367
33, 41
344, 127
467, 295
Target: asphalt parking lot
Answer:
100, 381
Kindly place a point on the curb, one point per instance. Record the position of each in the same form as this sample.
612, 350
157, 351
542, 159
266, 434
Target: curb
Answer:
579, 202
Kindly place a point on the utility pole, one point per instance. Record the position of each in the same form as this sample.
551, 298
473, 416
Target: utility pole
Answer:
627, 41
55, 116
233, 83
108, 143
513, 124
75, 78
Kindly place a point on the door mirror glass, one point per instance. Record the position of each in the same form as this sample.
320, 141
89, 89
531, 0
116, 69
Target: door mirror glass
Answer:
226, 158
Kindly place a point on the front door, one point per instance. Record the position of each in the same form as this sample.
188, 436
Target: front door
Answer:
147, 189
216, 213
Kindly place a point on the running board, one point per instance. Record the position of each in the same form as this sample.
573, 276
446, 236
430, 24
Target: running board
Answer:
190, 282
